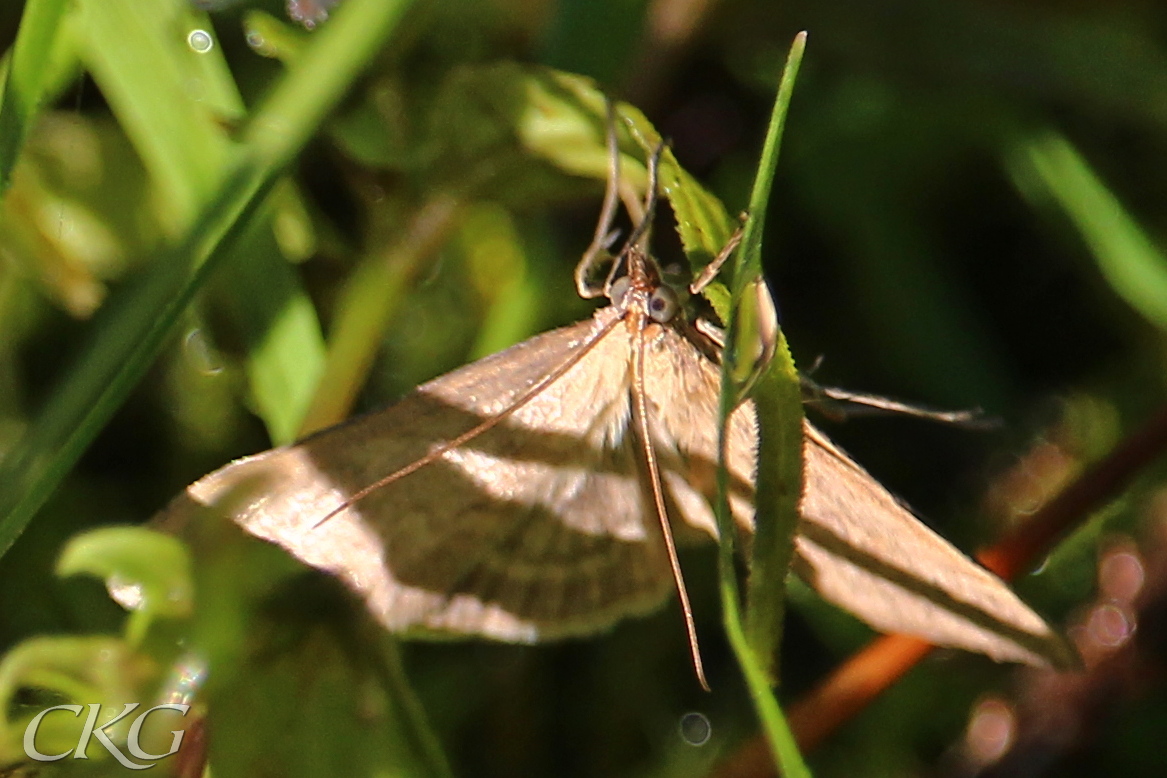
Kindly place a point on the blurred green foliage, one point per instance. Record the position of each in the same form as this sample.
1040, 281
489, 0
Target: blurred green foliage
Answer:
967, 212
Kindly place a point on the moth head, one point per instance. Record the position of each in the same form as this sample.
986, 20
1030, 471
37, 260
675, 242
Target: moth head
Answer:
662, 302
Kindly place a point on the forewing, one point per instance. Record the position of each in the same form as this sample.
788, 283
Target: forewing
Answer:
864, 551
542, 527
682, 390
858, 546
534, 529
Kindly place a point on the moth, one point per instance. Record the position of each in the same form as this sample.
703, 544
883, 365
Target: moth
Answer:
536, 493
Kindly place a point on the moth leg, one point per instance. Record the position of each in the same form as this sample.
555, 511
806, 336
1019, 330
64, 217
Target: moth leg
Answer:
822, 396
603, 238
650, 198
710, 271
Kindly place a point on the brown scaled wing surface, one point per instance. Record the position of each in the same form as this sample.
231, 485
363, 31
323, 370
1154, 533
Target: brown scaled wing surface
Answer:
543, 526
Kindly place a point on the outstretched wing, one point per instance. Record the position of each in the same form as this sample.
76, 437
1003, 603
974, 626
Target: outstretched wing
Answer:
541, 527
858, 546
861, 549
537, 528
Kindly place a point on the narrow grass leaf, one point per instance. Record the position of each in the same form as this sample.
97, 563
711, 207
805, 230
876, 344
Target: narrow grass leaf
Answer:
779, 466
778, 399
173, 110
370, 298
1129, 260
27, 78
285, 343
130, 334
138, 55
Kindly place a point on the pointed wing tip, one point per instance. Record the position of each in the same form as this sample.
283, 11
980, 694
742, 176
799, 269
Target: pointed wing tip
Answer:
1047, 650
1059, 654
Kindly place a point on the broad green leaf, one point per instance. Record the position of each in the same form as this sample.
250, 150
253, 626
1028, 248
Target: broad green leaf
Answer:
304, 683
82, 670
702, 222
151, 567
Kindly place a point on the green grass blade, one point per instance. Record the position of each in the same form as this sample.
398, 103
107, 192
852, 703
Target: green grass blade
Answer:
778, 399
778, 485
749, 262
172, 100
147, 79
284, 340
371, 296
774, 723
780, 437
27, 78
130, 334
1129, 260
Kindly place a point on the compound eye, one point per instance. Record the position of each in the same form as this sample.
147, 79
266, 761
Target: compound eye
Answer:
662, 305
618, 291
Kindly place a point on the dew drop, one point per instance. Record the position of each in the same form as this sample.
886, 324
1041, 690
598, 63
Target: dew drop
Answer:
125, 593
200, 41
695, 729
1041, 567
201, 354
